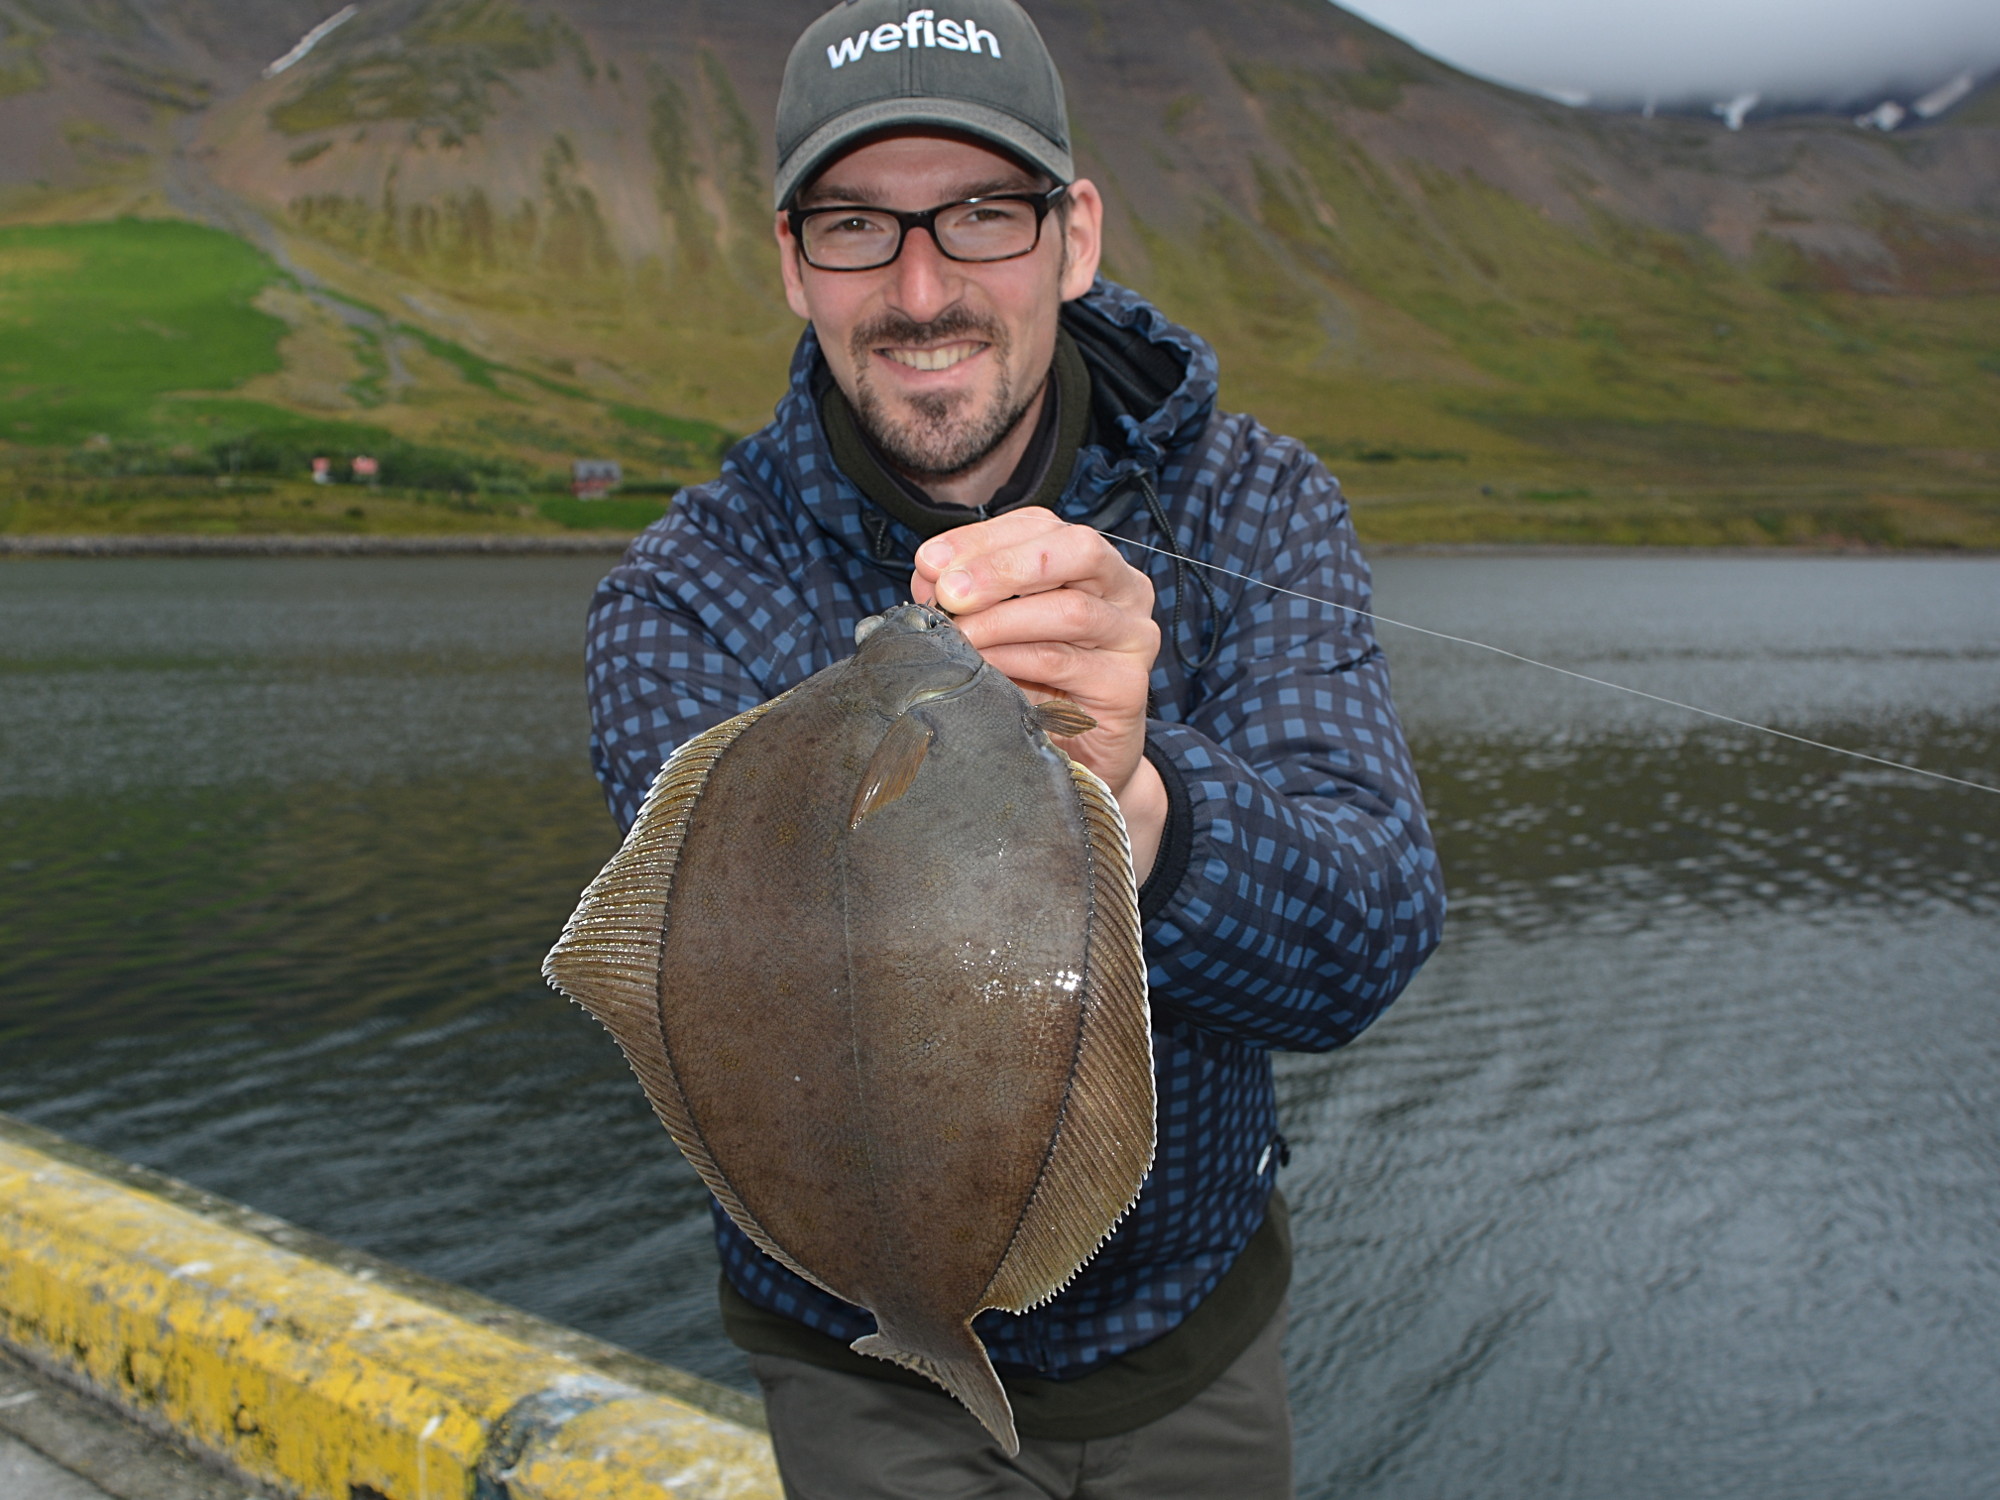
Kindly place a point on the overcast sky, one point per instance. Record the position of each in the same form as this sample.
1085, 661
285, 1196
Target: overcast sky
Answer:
1710, 48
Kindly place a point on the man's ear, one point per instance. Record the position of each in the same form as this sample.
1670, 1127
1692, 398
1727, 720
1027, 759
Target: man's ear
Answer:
791, 267
1083, 238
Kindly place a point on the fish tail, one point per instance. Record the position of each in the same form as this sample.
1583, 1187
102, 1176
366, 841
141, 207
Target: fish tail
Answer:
957, 1361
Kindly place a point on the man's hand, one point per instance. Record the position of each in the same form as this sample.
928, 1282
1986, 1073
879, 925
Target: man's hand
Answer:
1060, 612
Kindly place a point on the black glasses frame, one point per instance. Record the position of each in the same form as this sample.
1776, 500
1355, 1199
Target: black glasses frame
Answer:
926, 220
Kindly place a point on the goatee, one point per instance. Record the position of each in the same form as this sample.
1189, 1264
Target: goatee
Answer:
940, 438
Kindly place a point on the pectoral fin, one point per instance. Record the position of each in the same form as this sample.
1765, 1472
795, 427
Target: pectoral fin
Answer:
1062, 718
892, 768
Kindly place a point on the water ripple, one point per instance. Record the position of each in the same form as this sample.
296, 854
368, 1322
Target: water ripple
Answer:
1671, 1176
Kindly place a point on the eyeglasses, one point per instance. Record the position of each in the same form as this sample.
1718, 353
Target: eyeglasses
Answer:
1002, 226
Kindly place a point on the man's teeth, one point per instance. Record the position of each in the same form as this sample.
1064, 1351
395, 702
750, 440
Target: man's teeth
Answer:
941, 358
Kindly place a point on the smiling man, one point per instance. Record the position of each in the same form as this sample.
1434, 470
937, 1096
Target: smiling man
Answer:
975, 418
942, 382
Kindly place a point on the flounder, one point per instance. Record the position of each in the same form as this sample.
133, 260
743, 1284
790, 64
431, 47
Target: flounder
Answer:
872, 949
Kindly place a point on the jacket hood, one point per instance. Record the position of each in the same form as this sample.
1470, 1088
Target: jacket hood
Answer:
1153, 389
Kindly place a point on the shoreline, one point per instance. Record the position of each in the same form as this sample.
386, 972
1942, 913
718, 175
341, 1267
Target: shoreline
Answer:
500, 544
282, 544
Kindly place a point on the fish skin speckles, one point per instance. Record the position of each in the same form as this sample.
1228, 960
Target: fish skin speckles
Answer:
872, 949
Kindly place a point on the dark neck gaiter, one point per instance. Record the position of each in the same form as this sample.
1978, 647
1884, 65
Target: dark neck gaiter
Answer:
1038, 479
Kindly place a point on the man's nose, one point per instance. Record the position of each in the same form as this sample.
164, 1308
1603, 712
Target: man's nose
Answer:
925, 278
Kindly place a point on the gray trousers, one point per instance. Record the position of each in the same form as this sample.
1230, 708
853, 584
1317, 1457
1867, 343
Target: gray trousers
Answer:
846, 1437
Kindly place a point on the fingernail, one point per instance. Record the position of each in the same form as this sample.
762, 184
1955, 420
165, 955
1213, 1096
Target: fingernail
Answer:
935, 553
958, 584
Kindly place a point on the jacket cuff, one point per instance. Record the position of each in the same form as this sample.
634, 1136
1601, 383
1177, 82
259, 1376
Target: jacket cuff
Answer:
1176, 839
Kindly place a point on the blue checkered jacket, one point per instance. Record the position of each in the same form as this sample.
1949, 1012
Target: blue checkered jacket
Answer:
1296, 891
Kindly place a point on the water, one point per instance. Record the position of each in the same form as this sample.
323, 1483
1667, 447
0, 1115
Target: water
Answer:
1673, 1175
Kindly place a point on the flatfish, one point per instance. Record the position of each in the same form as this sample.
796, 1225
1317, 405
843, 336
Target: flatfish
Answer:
872, 949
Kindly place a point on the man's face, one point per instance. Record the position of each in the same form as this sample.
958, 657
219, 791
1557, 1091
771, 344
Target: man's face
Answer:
940, 358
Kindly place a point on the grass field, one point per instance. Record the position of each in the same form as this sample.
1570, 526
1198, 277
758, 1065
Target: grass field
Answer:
98, 322
1832, 515
158, 376
131, 353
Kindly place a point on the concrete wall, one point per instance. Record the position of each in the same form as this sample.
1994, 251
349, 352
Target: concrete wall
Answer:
320, 1372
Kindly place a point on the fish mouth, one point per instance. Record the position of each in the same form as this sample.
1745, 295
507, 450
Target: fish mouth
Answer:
922, 616
911, 615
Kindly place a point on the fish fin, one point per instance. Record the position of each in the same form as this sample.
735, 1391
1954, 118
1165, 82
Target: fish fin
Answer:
892, 767
608, 957
1104, 1139
1062, 718
965, 1371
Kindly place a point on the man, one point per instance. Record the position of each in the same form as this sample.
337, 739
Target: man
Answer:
975, 419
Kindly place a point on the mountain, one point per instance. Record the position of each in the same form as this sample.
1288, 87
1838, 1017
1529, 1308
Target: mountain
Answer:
539, 229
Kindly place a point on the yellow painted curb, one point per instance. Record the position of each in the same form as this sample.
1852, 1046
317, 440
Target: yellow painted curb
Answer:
321, 1382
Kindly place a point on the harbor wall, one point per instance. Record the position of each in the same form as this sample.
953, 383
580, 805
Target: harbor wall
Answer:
317, 1371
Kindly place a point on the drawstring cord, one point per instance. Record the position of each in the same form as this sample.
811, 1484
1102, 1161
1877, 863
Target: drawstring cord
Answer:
1212, 629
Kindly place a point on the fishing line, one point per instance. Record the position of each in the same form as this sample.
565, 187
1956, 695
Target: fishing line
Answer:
1693, 708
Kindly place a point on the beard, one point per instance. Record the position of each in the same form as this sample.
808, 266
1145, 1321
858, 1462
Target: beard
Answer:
938, 436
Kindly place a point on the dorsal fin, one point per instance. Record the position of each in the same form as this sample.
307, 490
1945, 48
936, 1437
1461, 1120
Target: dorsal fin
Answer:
1104, 1139
608, 957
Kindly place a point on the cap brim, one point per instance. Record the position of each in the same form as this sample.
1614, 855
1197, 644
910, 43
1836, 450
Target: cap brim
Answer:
999, 127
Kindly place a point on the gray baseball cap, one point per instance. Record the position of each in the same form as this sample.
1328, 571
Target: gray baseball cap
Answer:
870, 65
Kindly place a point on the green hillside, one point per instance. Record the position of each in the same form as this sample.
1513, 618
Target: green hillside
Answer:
123, 343
478, 239
1601, 381
98, 321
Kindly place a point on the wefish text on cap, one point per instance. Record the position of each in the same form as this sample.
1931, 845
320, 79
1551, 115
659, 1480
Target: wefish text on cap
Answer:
919, 28
872, 65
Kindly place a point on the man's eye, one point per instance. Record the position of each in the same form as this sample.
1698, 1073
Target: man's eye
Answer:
853, 225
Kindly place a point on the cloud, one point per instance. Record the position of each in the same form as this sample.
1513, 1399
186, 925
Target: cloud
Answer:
1704, 49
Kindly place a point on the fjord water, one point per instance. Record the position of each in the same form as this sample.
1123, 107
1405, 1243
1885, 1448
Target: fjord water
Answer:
1674, 1174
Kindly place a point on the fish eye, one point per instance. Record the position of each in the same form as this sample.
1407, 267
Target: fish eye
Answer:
865, 628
